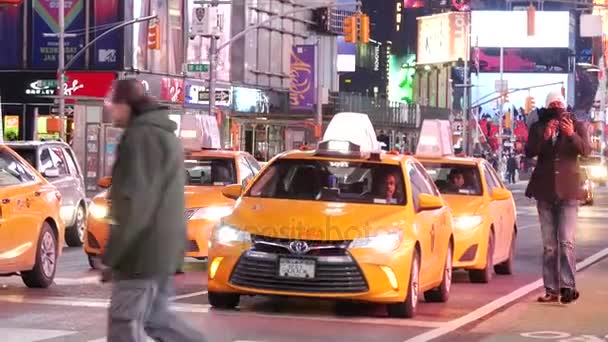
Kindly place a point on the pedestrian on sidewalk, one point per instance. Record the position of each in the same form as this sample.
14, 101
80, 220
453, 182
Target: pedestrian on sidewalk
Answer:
511, 168
557, 139
146, 245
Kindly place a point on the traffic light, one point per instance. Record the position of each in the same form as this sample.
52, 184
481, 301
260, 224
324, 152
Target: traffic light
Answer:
530, 105
531, 20
154, 36
364, 26
507, 122
350, 29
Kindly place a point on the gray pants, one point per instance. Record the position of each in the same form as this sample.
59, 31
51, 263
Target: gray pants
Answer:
558, 227
140, 308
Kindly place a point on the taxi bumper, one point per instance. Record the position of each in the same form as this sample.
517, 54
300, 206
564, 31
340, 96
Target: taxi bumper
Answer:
96, 236
470, 247
359, 274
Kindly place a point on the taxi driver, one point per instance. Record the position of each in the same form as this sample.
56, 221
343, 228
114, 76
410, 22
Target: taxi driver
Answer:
391, 189
456, 178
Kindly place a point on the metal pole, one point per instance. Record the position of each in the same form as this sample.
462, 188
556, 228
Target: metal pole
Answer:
212, 80
61, 68
500, 115
465, 106
319, 117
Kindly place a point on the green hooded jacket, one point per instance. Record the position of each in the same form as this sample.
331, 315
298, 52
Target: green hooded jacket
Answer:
147, 199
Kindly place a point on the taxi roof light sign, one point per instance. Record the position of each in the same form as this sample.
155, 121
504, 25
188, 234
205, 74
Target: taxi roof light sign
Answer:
347, 130
435, 139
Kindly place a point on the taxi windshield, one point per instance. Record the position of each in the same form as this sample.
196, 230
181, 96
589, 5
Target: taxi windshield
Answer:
457, 179
210, 171
331, 181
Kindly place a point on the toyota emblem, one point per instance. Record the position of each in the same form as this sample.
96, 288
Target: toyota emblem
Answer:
299, 247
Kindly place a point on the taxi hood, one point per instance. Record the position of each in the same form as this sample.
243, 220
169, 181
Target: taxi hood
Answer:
205, 196
311, 220
463, 204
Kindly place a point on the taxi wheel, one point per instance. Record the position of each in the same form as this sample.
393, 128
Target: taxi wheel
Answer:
223, 300
74, 235
43, 273
485, 275
506, 267
407, 309
441, 293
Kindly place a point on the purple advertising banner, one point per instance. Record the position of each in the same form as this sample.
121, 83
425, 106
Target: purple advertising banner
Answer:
302, 74
45, 19
11, 28
107, 51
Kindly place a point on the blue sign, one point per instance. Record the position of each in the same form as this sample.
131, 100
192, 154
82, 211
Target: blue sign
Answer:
10, 36
107, 51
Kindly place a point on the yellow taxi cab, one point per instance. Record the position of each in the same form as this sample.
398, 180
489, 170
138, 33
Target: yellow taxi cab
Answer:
483, 209
337, 222
31, 229
207, 172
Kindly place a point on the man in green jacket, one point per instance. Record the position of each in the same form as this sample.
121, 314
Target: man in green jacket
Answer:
146, 246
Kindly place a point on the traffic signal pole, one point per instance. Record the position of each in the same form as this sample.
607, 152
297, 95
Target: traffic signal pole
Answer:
501, 113
61, 69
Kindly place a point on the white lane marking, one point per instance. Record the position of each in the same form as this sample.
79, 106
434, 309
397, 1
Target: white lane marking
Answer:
105, 339
31, 335
205, 308
78, 281
527, 226
189, 295
497, 304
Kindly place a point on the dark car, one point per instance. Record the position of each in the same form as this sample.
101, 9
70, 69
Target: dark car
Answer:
586, 187
56, 161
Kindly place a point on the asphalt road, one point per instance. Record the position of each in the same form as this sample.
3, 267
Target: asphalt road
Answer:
74, 309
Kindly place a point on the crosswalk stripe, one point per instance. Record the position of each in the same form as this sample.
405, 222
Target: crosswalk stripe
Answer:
31, 335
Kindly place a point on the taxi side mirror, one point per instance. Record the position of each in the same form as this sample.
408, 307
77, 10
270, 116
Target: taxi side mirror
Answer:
51, 173
500, 194
430, 202
232, 191
104, 182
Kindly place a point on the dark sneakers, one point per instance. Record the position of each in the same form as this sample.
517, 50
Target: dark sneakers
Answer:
567, 296
548, 298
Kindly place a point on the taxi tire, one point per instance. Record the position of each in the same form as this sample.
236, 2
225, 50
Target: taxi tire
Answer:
74, 235
441, 294
223, 300
407, 309
36, 277
484, 276
507, 267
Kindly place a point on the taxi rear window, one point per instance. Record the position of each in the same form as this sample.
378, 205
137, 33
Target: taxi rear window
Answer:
457, 179
331, 181
207, 171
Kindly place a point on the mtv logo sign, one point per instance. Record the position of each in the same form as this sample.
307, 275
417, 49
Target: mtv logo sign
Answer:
106, 56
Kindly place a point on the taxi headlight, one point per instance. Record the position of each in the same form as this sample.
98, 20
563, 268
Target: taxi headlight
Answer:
598, 171
385, 242
211, 213
98, 211
228, 235
467, 222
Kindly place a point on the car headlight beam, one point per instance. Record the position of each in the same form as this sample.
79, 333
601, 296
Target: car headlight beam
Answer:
385, 242
228, 235
98, 211
467, 222
214, 213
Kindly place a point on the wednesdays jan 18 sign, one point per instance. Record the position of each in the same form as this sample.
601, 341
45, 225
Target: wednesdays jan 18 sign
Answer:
45, 19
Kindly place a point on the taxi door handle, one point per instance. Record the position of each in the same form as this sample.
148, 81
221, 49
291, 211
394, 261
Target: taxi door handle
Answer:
37, 193
6, 201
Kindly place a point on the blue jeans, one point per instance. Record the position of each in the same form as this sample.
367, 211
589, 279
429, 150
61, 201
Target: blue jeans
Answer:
558, 228
140, 308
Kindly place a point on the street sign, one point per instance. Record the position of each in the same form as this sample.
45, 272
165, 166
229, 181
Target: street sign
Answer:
204, 20
198, 67
222, 97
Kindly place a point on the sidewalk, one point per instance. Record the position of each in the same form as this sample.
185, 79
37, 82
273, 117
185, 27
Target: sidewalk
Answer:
585, 320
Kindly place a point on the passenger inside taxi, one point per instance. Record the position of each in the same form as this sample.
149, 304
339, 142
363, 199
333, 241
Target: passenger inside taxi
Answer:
456, 178
390, 185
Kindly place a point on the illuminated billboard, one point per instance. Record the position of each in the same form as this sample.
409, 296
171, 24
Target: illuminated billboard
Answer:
484, 86
510, 29
401, 78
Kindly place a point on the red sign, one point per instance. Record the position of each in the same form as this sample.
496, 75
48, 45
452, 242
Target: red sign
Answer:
172, 90
88, 84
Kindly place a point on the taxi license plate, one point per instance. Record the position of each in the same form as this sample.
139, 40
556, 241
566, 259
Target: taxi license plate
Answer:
297, 268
